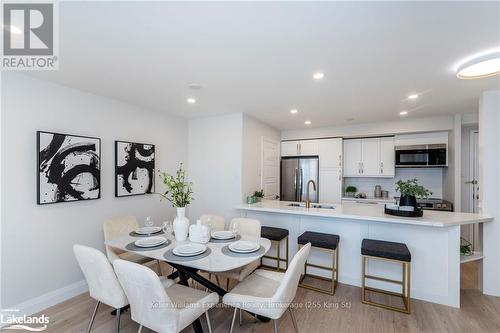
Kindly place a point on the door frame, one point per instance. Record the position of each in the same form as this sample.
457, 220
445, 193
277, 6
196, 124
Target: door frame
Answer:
278, 164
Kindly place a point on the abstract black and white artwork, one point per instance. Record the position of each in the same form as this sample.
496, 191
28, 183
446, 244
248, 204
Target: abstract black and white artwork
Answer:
69, 168
135, 165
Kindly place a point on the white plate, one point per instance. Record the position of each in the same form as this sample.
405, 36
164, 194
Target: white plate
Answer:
244, 246
150, 241
190, 249
147, 230
223, 234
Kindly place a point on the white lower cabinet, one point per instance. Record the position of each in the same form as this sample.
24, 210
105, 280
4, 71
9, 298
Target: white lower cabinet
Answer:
330, 185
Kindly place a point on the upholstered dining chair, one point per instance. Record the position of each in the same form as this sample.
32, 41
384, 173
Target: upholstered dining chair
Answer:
102, 282
269, 293
120, 226
215, 222
161, 309
246, 228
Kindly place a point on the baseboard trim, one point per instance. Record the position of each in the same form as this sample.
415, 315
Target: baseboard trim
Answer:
52, 298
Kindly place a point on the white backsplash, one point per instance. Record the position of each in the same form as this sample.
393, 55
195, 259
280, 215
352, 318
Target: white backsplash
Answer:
430, 178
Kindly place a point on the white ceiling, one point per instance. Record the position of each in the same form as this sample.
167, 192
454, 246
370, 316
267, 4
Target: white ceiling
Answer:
259, 58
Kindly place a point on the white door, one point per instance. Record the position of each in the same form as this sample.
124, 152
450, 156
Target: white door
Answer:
387, 155
308, 147
330, 185
269, 179
330, 153
289, 148
352, 157
370, 151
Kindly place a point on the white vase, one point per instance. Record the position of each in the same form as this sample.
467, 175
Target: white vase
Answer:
181, 225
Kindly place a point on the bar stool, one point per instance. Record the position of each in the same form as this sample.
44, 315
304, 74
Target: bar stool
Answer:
393, 252
275, 235
324, 242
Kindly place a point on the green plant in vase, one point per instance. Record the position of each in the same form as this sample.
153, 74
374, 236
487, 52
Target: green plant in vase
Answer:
179, 193
350, 191
410, 190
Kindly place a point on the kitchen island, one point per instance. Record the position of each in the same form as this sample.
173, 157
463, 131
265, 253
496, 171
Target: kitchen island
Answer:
433, 240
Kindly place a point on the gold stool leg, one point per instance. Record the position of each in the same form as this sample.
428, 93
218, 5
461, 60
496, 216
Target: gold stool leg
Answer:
278, 255
363, 271
286, 257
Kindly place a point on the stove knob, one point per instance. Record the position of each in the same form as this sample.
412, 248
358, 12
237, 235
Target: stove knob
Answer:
443, 205
438, 205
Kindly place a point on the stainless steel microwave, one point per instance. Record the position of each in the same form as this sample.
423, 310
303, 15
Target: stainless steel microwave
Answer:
421, 156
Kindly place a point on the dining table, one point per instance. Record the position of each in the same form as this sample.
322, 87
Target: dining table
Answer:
215, 259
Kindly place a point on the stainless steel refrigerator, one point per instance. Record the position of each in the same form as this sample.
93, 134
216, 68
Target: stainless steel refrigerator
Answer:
295, 173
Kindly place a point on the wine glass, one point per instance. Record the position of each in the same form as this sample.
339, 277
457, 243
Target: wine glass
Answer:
148, 222
234, 228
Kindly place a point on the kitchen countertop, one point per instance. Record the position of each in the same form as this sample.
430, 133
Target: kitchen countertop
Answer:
356, 211
370, 200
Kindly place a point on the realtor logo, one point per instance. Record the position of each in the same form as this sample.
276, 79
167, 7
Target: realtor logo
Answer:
29, 36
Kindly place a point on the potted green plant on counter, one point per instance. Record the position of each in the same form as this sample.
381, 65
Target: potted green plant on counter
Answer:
179, 193
350, 191
410, 190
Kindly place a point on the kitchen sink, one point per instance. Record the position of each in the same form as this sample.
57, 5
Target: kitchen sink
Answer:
295, 204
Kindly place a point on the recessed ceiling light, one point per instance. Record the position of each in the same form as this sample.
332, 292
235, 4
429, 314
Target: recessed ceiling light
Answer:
403, 113
318, 76
294, 111
191, 100
307, 122
480, 67
413, 96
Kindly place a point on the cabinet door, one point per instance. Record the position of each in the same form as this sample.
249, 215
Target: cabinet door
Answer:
330, 185
387, 155
370, 151
289, 148
330, 153
352, 157
308, 147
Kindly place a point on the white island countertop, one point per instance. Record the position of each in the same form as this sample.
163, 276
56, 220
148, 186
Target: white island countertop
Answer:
366, 212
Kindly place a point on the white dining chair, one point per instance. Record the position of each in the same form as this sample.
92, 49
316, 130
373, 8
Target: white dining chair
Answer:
215, 222
269, 293
158, 308
120, 226
102, 282
247, 228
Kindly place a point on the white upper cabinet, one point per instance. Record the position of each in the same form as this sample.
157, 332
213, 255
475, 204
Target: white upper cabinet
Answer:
299, 148
370, 160
330, 153
387, 168
352, 158
371, 157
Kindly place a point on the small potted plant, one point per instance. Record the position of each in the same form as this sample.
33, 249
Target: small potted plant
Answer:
410, 190
178, 192
258, 195
350, 191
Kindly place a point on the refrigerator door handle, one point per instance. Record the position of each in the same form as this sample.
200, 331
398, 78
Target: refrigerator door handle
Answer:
301, 183
295, 183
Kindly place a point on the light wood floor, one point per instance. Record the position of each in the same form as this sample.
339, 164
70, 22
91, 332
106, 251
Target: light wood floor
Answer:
343, 313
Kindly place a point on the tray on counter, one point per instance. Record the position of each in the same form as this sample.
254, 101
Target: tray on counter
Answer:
404, 213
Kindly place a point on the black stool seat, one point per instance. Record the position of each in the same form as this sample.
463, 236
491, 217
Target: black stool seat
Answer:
384, 249
272, 233
318, 239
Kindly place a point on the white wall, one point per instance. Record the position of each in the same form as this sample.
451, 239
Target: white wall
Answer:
489, 180
215, 155
37, 256
253, 131
406, 125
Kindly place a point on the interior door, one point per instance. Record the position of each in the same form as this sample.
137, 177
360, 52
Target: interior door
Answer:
289, 179
308, 170
370, 150
269, 177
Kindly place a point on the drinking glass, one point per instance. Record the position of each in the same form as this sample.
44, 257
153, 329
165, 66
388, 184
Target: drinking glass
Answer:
167, 227
234, 228
148, 222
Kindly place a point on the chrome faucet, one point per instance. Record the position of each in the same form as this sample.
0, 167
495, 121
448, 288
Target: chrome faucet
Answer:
308, 201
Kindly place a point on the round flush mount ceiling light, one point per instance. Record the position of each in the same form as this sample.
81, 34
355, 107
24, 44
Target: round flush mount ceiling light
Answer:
293, 111
318, 75
403, 113
191, 100
307, 122
479, 67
